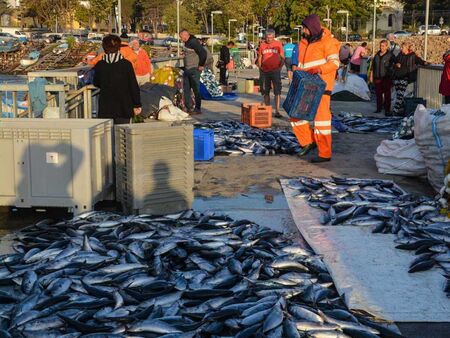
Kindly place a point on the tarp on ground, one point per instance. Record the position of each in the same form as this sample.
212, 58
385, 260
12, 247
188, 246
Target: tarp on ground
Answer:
368, 271
353, 89
151, 95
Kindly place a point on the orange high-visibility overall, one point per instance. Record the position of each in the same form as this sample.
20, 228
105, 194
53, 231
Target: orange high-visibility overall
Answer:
324, 54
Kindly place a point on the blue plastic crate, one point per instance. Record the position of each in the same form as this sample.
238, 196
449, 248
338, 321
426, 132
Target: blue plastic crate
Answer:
304, 95
203, 144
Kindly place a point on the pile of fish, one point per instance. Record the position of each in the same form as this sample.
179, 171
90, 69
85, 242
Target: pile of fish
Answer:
186, 275
235, 138
356, 123
382, 205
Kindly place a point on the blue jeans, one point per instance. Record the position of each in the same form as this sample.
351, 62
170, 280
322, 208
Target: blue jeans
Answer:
191, 79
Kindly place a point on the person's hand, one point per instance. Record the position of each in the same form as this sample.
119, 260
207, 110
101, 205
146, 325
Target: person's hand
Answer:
137, 111
313, 70
201, 68
398, 65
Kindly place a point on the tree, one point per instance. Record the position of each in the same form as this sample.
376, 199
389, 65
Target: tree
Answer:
187, 18
46, 11
4, 7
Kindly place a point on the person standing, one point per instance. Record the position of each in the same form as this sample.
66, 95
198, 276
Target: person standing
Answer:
119, 91
405, 72
224, 60
270, 62
194, 63
125, 50
288, 49
355, 60
345, 54
444, 86
394, 48
143, 65
381, 77
318, 54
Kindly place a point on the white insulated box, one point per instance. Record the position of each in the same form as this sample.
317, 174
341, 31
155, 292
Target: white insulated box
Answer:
55, 163
154, 167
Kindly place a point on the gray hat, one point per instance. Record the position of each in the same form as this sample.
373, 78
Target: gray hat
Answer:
270, 31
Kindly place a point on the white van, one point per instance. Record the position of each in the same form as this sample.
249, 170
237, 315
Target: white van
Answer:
16, 32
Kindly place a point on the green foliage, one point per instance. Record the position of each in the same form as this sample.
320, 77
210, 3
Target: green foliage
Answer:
70, 42
188, 19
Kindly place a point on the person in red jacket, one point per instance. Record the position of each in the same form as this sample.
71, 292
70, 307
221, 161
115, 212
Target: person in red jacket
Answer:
143, 65
318, 53
444, 87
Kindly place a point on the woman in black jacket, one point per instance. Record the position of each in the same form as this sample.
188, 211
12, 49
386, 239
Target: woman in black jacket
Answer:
224, 60
381, 77
405, 72
120, 97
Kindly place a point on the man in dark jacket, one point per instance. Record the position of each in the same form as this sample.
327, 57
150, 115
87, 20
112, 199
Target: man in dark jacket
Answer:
381, 77
194, 62
224, 60
120, 97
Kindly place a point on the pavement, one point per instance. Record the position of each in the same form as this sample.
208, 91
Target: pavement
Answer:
248, 186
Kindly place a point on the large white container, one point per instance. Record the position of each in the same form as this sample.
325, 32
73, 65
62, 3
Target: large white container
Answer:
55, 162
154, 167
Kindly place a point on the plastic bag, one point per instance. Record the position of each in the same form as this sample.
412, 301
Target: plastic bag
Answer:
169, 112
400, 157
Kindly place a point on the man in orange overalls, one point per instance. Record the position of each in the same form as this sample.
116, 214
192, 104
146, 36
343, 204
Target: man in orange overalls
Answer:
317, 53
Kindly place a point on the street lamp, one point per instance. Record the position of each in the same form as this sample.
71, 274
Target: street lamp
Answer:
119, 16
212, 29
329, 22
346, 25
298, 33
178, 28
374, 29
229, 28
427, 14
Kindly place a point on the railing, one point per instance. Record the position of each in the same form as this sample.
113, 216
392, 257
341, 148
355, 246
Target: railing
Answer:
83, 102
56, 97
427, 85
69, 77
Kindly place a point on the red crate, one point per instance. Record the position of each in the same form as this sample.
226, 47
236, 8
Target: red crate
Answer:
256, 115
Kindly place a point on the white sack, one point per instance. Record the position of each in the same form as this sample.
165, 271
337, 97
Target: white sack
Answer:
354, 84
400, 157
435, 158
169, 112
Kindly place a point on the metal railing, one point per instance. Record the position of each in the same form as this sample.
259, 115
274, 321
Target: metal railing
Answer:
427, 85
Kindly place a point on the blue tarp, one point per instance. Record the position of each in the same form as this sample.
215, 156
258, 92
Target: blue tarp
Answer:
207, 96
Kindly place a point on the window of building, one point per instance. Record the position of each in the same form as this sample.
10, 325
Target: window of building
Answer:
390, 20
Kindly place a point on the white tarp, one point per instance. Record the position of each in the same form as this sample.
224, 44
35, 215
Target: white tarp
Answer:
432, 136
400, 157
368, 271
354, 84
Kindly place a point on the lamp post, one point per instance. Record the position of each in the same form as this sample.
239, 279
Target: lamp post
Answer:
329, 22
298, 33
119, 16
374, 28
178, 28
427, 14
212, 29
346, 24
229, 28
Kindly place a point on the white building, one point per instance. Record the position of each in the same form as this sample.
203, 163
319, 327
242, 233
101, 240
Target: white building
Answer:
391, 17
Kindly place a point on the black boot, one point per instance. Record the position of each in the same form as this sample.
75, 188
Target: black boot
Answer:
306, 149
319, 159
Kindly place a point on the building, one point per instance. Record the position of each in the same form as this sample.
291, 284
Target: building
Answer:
390, 19
8, 19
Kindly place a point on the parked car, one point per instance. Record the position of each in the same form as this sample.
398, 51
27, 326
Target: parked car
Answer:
354, 37
170, 42
444, 31
15, 32
39, 37
95, 39
432, 30
402, 34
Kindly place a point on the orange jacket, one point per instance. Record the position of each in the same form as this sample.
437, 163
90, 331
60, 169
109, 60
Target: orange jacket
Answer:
322, 53
126, 52
143, 64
